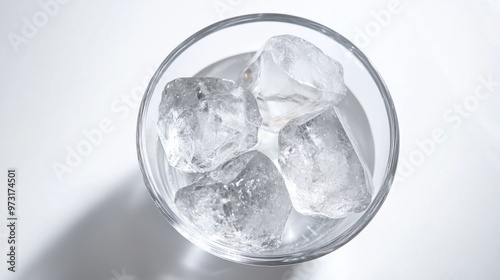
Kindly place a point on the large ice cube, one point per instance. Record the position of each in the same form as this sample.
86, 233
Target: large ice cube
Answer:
289, 76
203, 122
244, 202
323, 172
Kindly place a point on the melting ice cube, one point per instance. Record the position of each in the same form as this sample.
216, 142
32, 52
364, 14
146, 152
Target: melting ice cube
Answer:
244, 202
203, 122
290, 76
323, 172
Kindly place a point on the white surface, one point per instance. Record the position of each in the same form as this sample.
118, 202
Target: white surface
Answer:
439, 222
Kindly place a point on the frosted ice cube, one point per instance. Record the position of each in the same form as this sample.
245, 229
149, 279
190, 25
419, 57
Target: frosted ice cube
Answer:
323, 172
289, 76
244, 202
203, 122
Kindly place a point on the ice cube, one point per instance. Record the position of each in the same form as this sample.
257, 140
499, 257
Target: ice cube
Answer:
203, 122
321, 167
244, 203
290, 76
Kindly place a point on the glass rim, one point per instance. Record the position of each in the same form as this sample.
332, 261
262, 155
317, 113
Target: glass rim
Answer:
345, 236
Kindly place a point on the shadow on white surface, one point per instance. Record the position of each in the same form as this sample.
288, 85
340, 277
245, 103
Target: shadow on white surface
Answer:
127, 236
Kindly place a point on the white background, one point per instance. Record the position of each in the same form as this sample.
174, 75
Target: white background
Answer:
85, 63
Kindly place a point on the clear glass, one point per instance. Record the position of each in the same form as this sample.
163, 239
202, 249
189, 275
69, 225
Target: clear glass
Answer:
220, 50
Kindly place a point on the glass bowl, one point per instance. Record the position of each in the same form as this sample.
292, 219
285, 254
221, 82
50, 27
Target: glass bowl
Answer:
221, 50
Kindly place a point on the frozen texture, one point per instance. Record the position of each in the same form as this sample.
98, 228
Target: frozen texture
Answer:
203, 122
323, 172
289, 76
244, 202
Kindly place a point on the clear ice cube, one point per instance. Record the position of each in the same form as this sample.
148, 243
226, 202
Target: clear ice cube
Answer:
244, 202
290, 76
203, 122
323, 172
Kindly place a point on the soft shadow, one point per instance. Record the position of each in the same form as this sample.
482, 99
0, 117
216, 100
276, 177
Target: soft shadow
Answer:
126, 233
